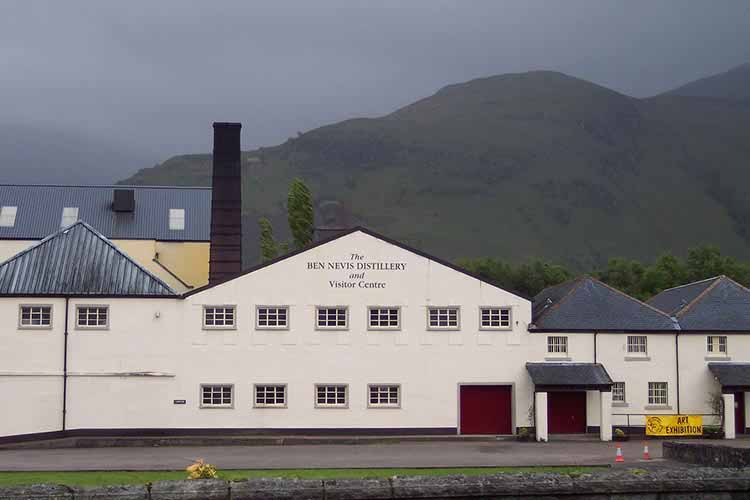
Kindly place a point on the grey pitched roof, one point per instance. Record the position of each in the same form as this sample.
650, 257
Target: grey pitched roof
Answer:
672, 300
586, 304
724, 305
731, 374
40, 211
78, 261
568, 374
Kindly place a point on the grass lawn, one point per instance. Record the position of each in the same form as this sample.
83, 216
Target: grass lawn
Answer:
101, 478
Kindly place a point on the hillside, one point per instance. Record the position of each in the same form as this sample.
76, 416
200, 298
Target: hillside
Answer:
733, 84
519, 165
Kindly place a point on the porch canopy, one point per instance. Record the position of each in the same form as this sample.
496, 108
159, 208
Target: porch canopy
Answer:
550, 377
733, 377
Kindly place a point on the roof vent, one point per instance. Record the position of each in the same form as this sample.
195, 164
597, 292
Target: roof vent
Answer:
124, 200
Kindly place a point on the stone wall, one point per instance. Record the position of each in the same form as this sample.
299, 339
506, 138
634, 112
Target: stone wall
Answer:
713, 455
694, 483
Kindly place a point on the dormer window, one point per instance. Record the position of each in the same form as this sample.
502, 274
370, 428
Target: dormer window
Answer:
69, 216
177, 219
8, 216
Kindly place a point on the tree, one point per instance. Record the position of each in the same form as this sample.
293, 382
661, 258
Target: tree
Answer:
269, 249
300, 213
625, 275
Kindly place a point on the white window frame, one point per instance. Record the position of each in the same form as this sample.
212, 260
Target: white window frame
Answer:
557, 345
399, 396
276, 387
619, 388
79, 326
224, 308
634, 346
439, 310
370, 310
31, 312
276, 309
336, 388
69, 216
495, 313
216, 405
653, 387
318, 326
714, 345
8, 214
176, 219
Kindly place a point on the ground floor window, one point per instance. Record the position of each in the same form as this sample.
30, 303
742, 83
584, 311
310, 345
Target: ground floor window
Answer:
385, 396
384, 318
331, 396
36, 317
92, 317
657, 393
618, 392
445, 318
270, 395
217, 396
272, 317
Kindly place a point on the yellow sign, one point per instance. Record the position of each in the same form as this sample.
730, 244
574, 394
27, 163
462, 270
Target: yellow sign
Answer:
674, 425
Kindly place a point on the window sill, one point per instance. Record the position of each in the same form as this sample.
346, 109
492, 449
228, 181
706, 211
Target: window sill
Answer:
91, 328
717, 357
35, 328
558, 358
270, 407
657, 407
436, 329
637, 358
331, 328
272, 328
383, 328
217, 407
219, 328
620, 405
495, 329
383, 407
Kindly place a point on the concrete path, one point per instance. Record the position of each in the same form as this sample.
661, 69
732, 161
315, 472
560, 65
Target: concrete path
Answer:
429, 454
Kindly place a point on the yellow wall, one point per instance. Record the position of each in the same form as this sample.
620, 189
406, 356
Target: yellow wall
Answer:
9, 248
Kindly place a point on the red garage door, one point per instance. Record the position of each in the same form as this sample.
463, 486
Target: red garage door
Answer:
566, 412
486, 409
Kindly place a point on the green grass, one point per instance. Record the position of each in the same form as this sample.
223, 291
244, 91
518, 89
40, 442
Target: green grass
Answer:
102, 478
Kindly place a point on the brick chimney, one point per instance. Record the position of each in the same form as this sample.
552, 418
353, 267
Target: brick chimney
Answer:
226, 204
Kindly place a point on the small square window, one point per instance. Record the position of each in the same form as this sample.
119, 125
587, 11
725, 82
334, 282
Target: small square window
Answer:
494, 318
637, 344
219, 317
384, 318
92, 317
69, 216
270, 396
35, 316
657, 393
272, 318
334, 318
177, 219
557, 345
331, 396
8, 216
384, 396
217, 396
716, 344
442, 318
618, 392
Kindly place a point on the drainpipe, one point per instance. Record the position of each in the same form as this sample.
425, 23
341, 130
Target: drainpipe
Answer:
65, 366
595, 347
677, 364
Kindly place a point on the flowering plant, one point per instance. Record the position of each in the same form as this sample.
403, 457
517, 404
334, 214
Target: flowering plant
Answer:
201, 470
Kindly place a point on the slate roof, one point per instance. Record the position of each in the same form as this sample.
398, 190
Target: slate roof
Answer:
731, 374
587, 304
672, 300
40, 211
78, 261
568, 374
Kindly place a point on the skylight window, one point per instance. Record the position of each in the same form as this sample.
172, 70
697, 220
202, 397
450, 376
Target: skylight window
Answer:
8, 216
69, 216
177, 219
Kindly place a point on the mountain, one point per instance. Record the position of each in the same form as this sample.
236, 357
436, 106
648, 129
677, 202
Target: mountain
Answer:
733, 84
514, 166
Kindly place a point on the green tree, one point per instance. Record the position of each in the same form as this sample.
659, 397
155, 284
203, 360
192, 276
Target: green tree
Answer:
625, 275
668, 271
300, 213
269, 249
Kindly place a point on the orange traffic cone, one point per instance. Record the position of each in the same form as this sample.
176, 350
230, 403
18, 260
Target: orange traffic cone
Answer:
646, 455
618, 456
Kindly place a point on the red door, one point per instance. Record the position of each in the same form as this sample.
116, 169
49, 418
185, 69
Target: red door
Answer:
566, 412
739, 412
486, 409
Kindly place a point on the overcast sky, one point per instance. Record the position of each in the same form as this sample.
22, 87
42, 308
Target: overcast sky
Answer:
155, 74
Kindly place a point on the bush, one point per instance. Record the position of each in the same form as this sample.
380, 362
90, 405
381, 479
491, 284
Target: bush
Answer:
713, 432
620, 433
201, 470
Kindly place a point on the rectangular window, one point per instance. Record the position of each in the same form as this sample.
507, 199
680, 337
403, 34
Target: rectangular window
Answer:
270, 395
494, 318
716, 344
442, 318
92, 317
35, 316
637, 344
657, 393
385, 396
331, 396
217, 396
177, 219
332, 317
618, 392
557, 345
69, 216
269, 318
384, 318
8, 216
219, 317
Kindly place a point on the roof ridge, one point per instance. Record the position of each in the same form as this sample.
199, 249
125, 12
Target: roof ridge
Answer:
662, 313
39, 243
735, 282
698, 298
691, 283
577, 284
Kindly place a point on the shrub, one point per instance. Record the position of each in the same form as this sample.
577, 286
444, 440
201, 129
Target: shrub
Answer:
201, 470
619, 433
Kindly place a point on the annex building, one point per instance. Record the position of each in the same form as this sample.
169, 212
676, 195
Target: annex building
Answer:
357, 333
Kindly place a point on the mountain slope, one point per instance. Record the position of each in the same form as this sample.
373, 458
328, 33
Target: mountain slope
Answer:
533, 164
733, 84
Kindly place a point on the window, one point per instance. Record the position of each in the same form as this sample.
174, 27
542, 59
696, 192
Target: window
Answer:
657, 393
716, 344
217, 396
383, 318
35, 317
618, 392
177, 219
270, 395
331, 317
219, 317
557, 345
92, 317
445, 318
272, 317
386, 396
637, 344
494, 318
8, 216
69, 216
331, 396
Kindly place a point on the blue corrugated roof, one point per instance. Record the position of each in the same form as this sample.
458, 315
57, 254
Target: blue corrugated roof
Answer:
40, 211
79, 261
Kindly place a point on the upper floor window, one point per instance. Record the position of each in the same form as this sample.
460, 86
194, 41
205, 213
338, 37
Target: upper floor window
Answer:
331, 396
8, 216
332, 317
217, 396
92, 317
35, 316
69, 216
385, 396
618, 392
494, 318
276, 317
177, 219
716, 344
442, 318
637, 344
219, 317
384, 318
270, 395
557, 345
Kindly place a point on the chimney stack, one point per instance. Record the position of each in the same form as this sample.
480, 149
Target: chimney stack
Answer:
226, 204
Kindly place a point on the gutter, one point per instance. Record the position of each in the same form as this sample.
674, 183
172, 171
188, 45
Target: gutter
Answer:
172, 274
65, 366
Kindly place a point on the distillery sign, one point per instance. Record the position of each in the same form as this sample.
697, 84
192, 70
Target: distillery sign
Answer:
359, 272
